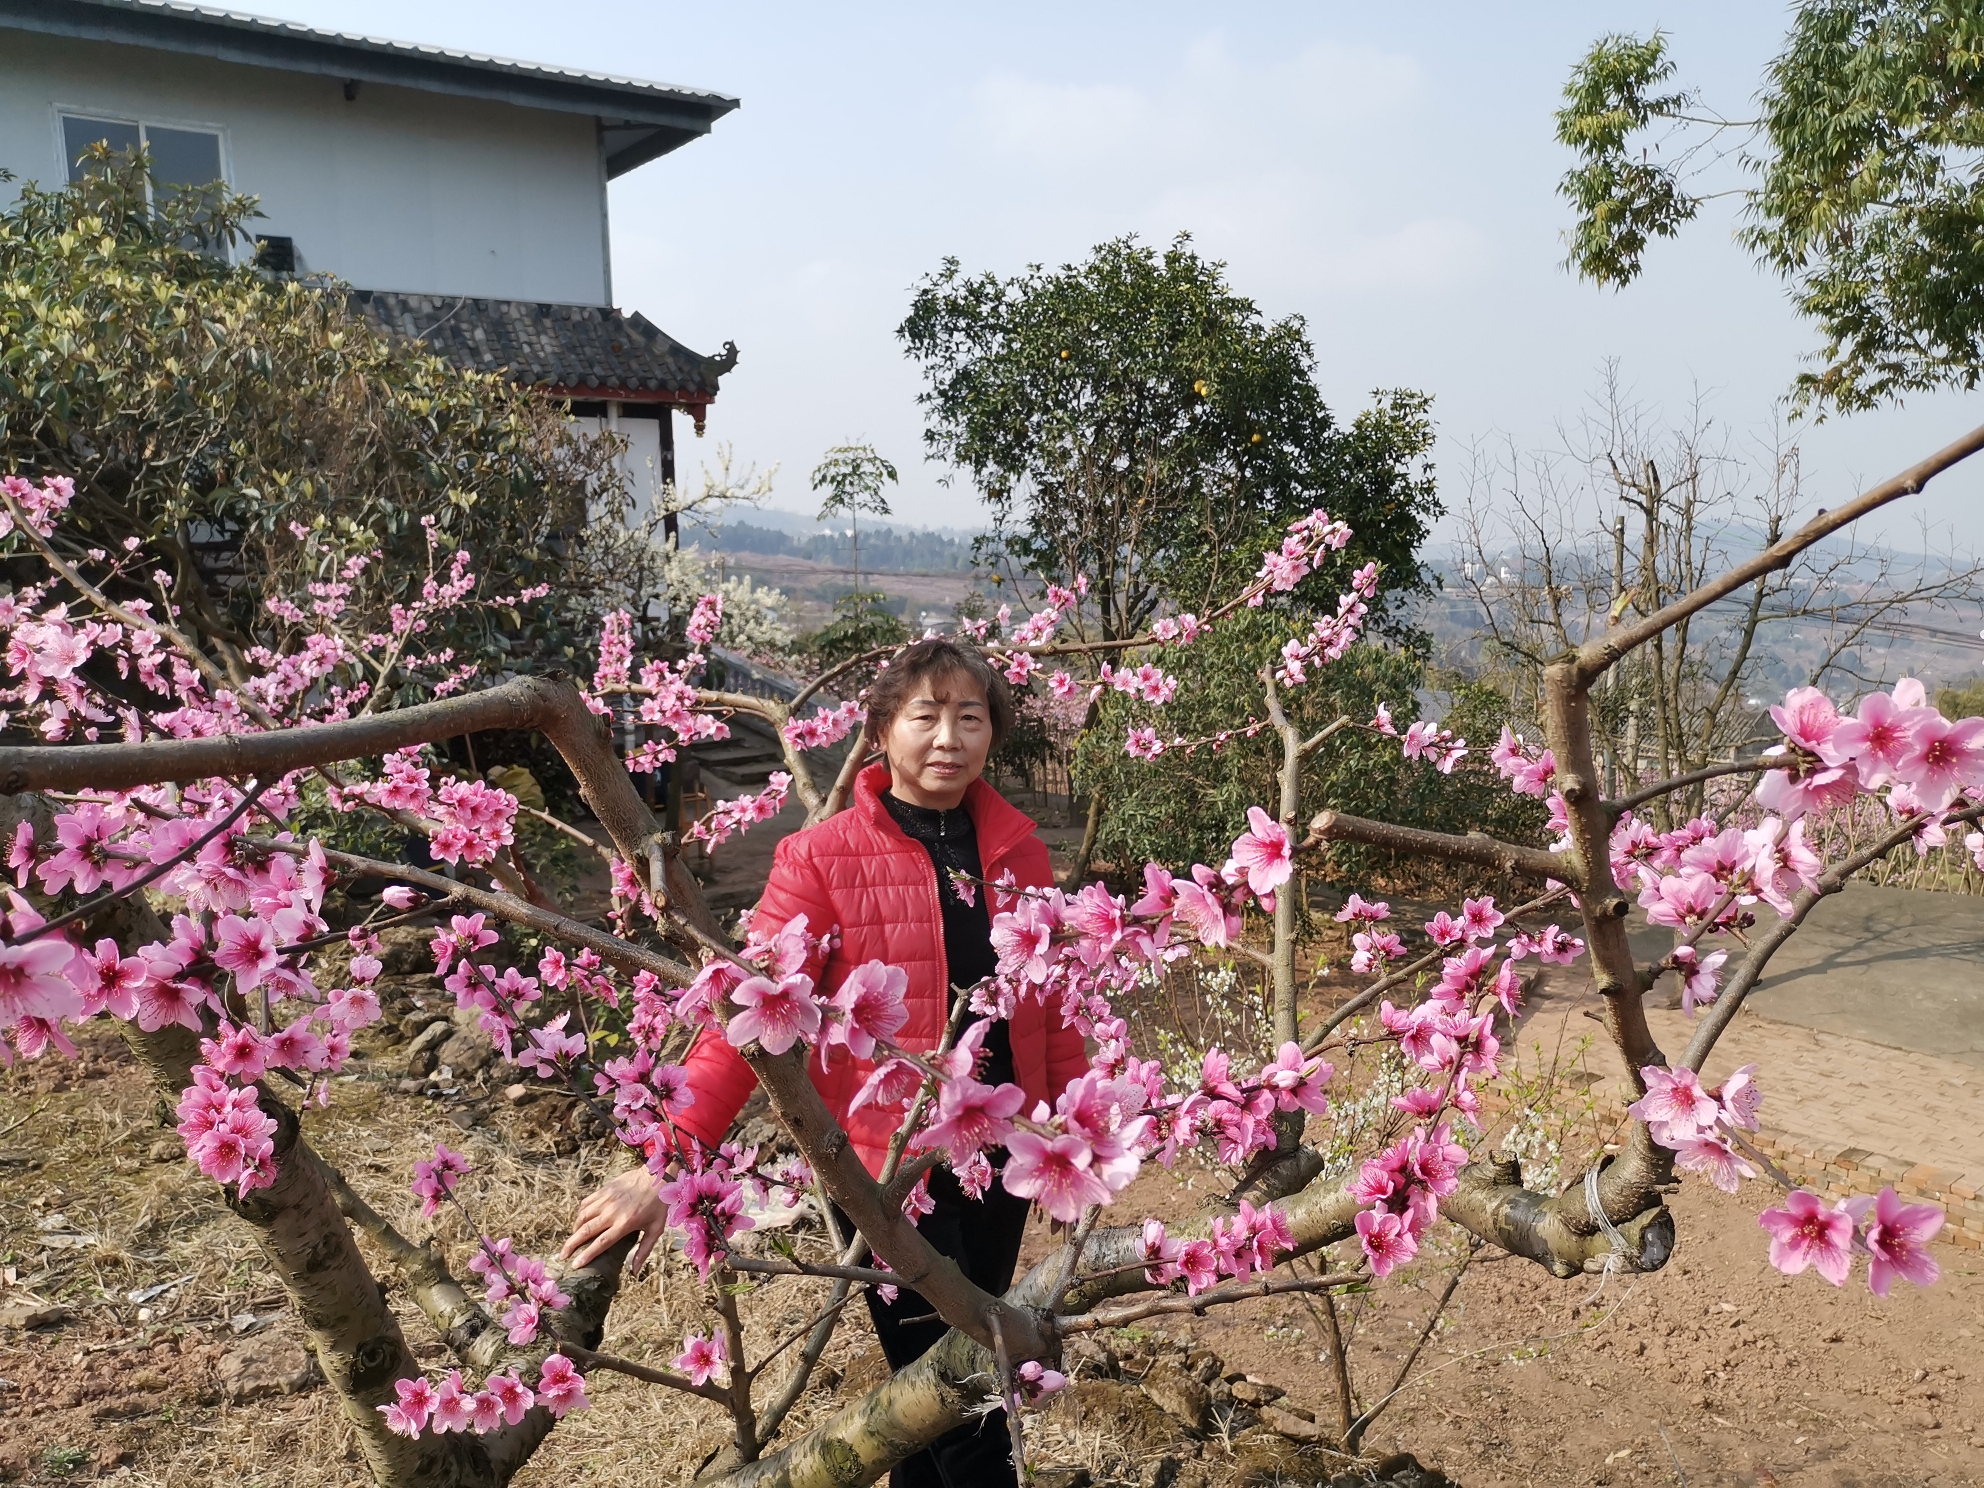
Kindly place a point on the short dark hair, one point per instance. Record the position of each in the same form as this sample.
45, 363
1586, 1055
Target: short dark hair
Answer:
896, 684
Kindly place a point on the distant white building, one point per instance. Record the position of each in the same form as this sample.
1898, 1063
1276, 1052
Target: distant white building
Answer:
463, 196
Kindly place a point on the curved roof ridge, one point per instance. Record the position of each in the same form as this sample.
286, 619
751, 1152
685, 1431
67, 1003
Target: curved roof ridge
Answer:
582, 351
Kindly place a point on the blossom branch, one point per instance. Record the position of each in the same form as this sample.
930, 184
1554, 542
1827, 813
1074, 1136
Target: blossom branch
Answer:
455, 1314
548, 704
180, 641
833, 673
623, 954
634, 1369
1405, 973
1718, 1018
1282, 962
157, 871
939, 1391
915, 1264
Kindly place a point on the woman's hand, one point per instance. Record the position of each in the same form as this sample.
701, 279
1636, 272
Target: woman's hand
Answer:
612, 1212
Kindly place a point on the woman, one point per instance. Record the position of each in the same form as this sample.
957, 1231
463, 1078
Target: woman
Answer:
882, 872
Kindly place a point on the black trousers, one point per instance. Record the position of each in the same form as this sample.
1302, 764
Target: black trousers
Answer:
983, 1237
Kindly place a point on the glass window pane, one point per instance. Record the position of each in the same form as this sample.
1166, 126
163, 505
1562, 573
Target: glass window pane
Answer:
79, 134
183, 157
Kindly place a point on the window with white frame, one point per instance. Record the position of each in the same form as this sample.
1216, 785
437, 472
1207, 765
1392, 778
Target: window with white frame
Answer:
181, 158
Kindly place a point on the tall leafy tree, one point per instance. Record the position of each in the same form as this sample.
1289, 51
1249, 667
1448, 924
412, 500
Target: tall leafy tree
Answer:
1861, 188
1131, 417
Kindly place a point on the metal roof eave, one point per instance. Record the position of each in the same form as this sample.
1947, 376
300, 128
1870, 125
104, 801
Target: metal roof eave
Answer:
678, 115
640, 146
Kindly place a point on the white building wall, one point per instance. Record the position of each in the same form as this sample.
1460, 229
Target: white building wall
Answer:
640, 461
397, 189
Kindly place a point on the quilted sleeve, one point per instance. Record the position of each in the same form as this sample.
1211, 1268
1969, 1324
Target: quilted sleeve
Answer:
717, 1073
722, 1082
796, 887
1067, 1053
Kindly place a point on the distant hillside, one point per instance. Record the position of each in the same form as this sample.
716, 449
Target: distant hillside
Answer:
883, 549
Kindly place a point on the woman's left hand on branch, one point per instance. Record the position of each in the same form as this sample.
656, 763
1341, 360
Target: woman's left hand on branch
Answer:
627, 1205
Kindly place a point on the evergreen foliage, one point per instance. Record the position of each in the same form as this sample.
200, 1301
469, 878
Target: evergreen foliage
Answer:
1132, 418
1864, 193
210, 410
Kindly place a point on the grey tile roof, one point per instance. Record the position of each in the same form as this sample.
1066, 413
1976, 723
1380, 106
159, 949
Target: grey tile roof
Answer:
586, 350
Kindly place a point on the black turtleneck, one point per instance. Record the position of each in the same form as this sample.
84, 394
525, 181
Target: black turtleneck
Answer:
951, 840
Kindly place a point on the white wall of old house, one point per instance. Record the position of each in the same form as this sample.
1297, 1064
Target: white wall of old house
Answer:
395, 189
640, 461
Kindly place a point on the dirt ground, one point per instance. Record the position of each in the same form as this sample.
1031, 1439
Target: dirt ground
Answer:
1753, 1377
1713, 1371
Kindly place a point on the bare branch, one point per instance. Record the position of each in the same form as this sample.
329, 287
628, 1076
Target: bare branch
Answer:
1475, 847
765, 1266
1624, 804
1596, 655
1239, 1291
1353, 1435
516, 704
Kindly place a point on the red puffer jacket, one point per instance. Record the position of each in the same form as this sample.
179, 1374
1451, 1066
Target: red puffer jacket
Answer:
858, 871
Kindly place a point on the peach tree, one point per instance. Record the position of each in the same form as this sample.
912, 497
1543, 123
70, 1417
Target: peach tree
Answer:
167, 878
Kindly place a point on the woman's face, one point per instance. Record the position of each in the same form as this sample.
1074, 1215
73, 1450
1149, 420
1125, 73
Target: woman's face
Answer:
937, 743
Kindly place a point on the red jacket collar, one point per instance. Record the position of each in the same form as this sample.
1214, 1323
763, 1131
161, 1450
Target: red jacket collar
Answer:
999, 823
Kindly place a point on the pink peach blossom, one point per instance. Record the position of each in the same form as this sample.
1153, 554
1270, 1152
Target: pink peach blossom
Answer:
776, 1015
1675, 1106
561, 1389
247, 948
34, 981
1053, 1173
454, 1407
870, 1003
701, 1358
1806, 1233
1942, 758
408, 1416
1264, 852
1808, 718
1875, 738
1898, 1240
1387, 1240
1709, 1153
972, 1117
513, 1396
1480, 917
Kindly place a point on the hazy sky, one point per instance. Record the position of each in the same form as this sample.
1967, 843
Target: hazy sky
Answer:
1387, 172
